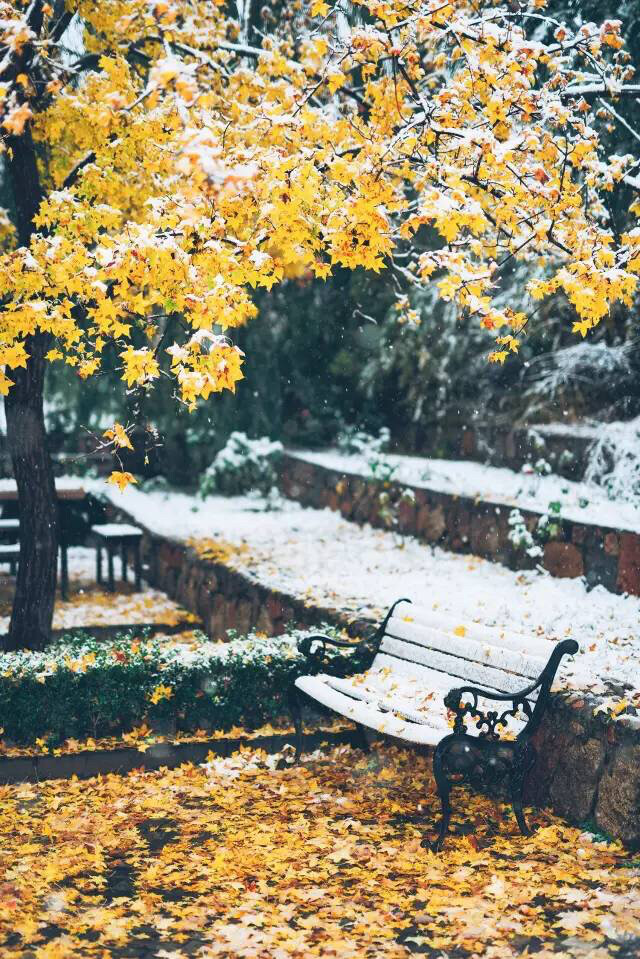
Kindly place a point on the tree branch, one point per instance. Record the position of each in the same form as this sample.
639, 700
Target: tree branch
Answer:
600, 90
75, 171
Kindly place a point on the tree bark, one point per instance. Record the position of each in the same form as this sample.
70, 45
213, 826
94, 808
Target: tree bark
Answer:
34, 598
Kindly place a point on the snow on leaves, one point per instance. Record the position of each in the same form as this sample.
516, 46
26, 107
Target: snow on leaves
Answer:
250, 857
185, 168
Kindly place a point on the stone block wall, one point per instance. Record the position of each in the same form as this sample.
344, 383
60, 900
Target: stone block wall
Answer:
602, 555
565, 447
566, 450
588, 768
224, 598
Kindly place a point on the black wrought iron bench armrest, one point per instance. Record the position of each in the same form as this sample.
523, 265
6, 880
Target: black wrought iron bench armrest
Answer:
365, 649
316, 657
488, 721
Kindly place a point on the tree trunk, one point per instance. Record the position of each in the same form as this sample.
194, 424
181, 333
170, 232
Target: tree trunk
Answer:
37, 567
34, 598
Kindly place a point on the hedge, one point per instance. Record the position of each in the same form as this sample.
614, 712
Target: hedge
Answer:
81, 686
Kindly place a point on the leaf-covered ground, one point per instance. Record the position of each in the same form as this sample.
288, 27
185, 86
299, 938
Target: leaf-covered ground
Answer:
91, 605
143, 737
245, 859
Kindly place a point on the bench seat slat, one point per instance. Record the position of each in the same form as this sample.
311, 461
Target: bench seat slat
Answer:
401, 695
531, 645
369, 715
417, 698
454, 666
467, 648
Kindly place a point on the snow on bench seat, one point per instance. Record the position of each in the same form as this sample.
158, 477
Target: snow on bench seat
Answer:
422, 655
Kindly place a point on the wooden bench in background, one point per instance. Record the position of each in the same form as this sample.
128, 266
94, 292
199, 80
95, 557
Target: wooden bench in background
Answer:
10, 552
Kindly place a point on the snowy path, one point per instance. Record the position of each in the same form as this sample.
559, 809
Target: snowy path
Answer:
316, 554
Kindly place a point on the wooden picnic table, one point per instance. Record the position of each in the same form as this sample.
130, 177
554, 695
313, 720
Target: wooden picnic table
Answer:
78, 510
64, 491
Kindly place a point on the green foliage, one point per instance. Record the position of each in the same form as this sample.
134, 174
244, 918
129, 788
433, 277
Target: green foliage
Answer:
303, 383
84, 687
242, 466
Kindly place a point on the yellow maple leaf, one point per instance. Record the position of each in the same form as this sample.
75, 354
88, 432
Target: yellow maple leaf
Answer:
118, 435
335, 81
121, 479
582, 327
498, 356
160, 692
619, 707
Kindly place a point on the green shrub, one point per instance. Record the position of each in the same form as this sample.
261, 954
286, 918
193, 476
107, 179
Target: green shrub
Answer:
242, 466
83, 687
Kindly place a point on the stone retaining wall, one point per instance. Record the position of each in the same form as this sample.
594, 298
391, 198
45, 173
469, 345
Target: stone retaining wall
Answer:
122, 760
566, 451
565, 447
602, 555
225, 598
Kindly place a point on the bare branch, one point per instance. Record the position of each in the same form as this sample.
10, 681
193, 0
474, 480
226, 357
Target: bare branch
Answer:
600, 90
74, 173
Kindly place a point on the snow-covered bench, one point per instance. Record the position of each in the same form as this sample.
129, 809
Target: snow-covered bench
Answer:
495, 688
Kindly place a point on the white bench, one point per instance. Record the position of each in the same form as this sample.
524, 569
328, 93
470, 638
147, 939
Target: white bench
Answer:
427, 670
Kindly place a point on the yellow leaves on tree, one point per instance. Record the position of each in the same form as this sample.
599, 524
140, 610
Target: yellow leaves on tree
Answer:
121, 479
184, 169
118, 436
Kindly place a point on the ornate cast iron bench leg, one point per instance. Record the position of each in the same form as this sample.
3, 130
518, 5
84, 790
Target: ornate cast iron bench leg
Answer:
523, 762
293, 701
361, 738
443, 788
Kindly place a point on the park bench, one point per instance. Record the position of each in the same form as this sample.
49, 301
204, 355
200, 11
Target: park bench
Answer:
10, 552
495, 689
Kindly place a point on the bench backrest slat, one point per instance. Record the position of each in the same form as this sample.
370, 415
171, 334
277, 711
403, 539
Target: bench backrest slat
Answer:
429, 679
530, 644
465, 647
467, 671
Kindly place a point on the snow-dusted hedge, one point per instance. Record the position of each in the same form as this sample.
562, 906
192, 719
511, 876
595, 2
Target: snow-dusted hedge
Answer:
242, 466
84, 687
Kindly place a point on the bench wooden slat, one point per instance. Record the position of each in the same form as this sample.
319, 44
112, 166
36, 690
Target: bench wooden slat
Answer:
454, 666
361, 712
467, 648
441, 682
531, 645
400, 705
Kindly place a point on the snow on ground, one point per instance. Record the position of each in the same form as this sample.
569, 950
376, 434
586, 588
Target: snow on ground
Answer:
89, 605
581, 502
318, 555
